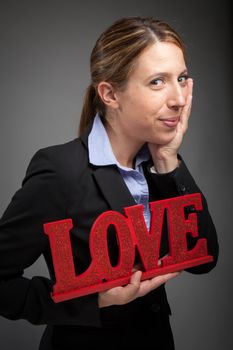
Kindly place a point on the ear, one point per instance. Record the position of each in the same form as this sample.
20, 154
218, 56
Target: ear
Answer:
107, 94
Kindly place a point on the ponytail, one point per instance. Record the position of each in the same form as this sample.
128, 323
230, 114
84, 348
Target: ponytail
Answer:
89, 109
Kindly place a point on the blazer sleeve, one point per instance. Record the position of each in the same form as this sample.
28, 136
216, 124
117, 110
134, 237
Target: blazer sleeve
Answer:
180, 182
41, 199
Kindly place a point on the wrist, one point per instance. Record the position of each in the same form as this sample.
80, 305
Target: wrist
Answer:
163, 166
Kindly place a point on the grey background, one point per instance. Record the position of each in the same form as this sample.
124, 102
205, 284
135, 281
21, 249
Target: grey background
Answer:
44, 70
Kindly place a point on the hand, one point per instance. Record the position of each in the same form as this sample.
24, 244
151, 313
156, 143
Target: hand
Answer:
135, 289
165, 156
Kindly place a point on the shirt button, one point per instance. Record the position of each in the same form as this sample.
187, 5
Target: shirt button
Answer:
183, 188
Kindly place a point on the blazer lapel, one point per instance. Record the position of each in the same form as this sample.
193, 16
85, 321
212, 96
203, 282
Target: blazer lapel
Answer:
113, 188
110, 182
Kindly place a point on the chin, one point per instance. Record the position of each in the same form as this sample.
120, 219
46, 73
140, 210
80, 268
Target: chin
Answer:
163, 139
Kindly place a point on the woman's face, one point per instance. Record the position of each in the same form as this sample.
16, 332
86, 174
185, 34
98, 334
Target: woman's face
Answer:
149, 107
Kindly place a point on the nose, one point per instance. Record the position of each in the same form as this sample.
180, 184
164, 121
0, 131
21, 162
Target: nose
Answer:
176, 98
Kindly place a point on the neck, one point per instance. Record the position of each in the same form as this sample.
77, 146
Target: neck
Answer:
124, 149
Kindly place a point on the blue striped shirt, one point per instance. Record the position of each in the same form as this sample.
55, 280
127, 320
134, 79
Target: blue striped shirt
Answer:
101, 154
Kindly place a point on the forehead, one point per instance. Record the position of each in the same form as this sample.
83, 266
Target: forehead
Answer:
159, 57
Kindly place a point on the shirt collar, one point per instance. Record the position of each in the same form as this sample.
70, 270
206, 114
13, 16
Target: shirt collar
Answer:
100, 149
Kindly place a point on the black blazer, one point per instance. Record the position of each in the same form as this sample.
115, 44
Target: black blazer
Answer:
61, 183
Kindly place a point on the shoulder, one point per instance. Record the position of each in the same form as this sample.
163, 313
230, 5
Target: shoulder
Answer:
63, 159
61, 151
64, 154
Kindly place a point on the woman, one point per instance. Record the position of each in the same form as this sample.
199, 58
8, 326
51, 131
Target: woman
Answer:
133, 121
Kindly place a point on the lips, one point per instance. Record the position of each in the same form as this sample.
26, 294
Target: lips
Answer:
170, 122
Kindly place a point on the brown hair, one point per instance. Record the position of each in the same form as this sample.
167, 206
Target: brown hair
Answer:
114, 55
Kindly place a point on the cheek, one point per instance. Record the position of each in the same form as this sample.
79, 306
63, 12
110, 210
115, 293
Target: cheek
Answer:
159, 102
143, 107
149, 107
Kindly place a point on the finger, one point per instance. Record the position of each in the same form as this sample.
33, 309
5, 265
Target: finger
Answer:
135, 279
186, 111
169, 276
190, 86
149, 285
121, 295
160, 260
189, 93
129, 292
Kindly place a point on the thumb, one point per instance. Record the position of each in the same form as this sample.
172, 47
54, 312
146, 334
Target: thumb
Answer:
136, 278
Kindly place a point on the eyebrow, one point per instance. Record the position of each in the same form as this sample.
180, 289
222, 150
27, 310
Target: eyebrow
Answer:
166, 74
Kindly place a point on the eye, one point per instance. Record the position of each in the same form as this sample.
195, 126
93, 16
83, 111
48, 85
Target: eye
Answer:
157, 82
182, 79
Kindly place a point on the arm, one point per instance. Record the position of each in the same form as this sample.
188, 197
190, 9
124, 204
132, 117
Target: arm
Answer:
22, 240
180, 182
173, 179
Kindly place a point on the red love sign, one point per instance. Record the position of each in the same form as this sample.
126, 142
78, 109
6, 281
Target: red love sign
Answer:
131, 233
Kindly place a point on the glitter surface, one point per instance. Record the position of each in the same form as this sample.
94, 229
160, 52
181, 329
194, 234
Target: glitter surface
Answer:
131, 232
148, 243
